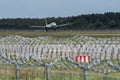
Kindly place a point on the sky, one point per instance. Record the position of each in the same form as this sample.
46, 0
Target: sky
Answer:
55, 8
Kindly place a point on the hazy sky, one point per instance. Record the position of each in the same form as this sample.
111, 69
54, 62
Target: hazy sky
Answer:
50, 8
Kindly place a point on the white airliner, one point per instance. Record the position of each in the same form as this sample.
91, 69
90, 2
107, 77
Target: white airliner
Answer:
51, 26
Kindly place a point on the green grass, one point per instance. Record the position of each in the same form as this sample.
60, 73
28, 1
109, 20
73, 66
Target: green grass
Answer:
38, 73
61, 34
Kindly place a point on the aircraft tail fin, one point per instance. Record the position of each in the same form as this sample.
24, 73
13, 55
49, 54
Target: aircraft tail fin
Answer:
46, 21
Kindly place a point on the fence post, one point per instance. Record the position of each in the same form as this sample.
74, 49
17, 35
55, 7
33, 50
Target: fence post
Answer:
17, 72
85, 74
47, 73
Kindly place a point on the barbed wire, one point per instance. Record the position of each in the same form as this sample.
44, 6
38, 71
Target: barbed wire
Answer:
49, 51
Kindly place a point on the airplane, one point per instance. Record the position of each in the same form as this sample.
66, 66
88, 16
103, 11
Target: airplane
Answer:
51, 26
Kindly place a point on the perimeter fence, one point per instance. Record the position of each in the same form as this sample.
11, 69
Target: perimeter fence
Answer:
50, 58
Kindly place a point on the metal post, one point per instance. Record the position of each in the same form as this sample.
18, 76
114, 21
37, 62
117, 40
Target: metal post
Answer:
47, 73
17, 72
85, 74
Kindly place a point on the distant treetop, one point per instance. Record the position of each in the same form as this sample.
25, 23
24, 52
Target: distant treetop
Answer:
109, 20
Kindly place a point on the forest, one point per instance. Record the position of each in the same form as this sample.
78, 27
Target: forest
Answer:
108, 20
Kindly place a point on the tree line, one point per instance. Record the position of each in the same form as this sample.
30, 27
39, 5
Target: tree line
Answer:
109, 20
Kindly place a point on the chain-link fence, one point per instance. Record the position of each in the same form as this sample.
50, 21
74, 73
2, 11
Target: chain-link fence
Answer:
50, 58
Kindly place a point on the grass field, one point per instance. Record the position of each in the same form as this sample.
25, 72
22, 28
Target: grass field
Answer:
38, 73
105, 33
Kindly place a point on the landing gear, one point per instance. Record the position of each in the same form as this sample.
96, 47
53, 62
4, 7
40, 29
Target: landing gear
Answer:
54, 29
50, 29
46, 29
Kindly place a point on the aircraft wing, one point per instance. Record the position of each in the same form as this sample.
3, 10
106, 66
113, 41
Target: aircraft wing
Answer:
63, 24
38, 26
